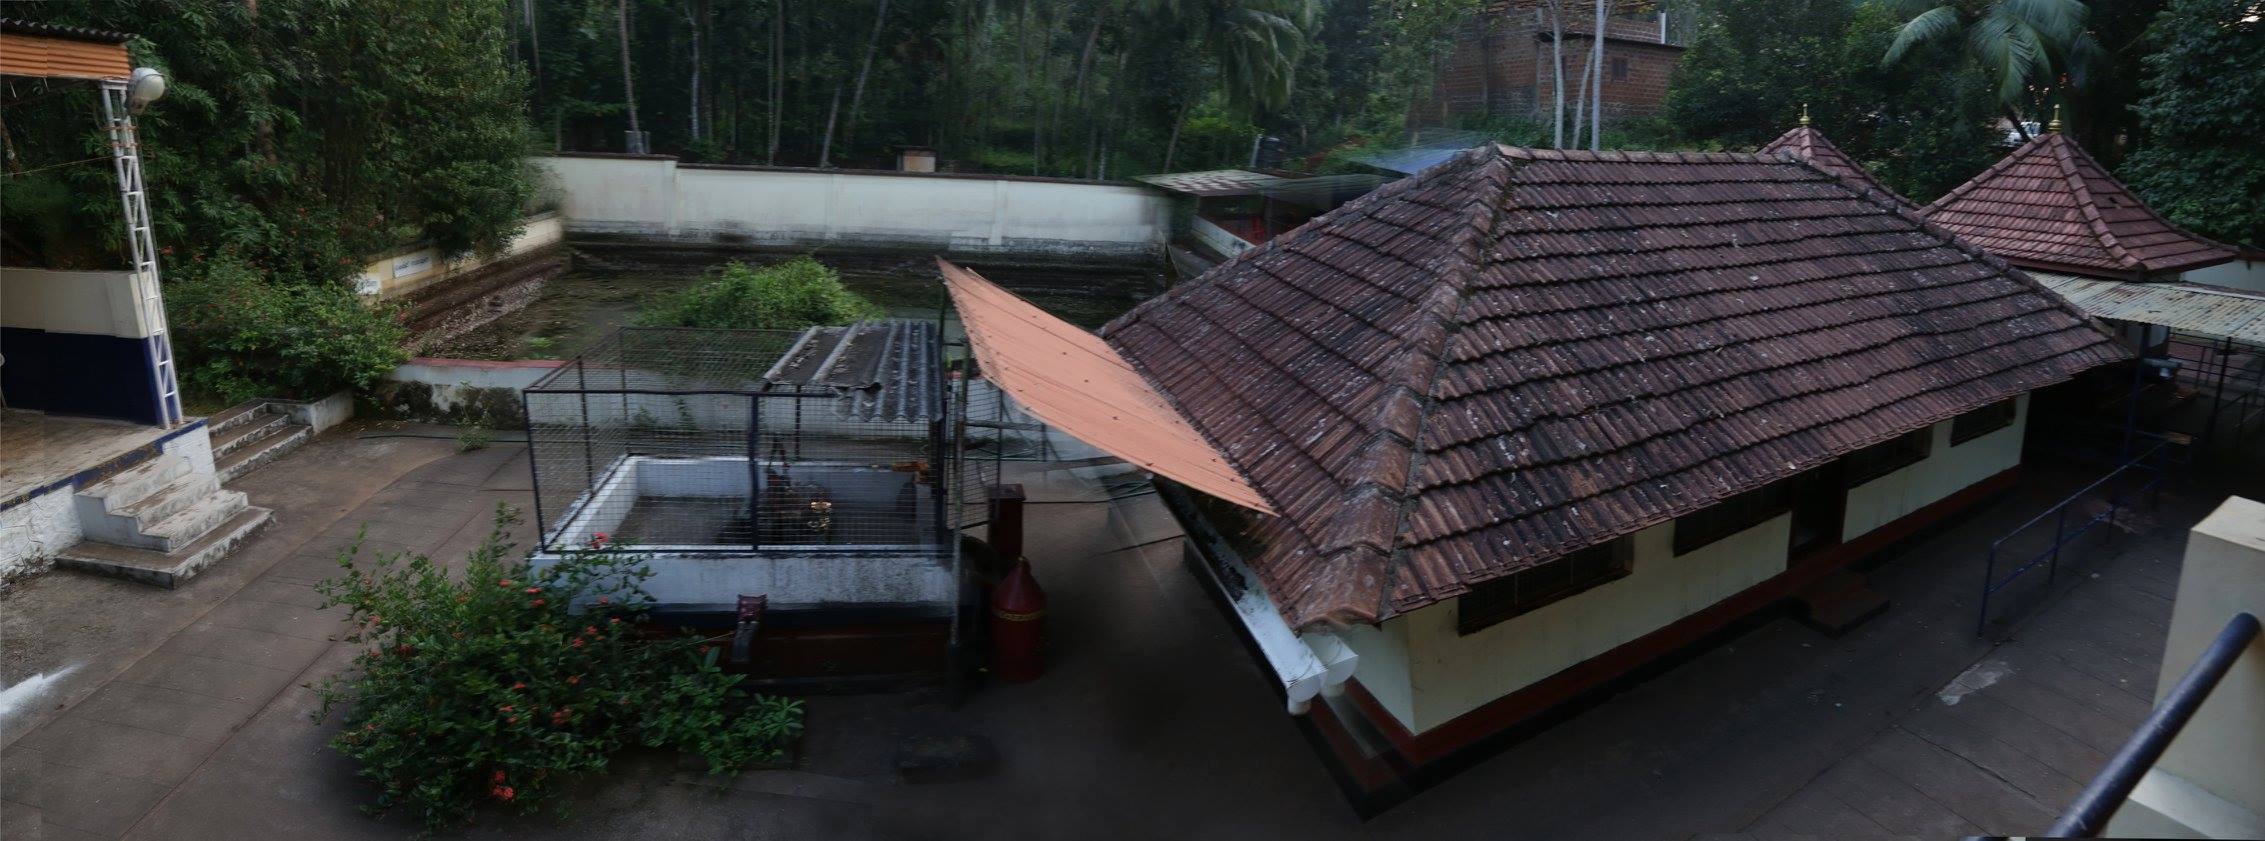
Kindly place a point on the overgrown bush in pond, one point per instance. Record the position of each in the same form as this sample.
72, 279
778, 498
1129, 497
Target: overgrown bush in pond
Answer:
794, 294
247, 335
489, 688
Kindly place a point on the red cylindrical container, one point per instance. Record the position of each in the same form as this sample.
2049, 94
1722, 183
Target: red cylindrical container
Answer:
1018, 626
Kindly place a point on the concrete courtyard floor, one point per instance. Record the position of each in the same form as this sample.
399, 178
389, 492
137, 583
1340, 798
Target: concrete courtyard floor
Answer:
184, 713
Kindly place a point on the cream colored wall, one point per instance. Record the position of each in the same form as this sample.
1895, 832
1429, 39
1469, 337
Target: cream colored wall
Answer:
94, 303
1451, 674
1383, 667
2239, 274
1946, 470
410, 269
809, 208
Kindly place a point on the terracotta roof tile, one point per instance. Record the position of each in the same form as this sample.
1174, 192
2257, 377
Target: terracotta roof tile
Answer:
2050, 206
1811, 145
1521, 353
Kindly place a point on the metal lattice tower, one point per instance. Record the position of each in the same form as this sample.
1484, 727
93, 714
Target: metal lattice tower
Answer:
141, 244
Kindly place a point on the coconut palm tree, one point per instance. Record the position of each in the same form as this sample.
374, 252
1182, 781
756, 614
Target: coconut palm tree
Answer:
1256, 44
2017, 43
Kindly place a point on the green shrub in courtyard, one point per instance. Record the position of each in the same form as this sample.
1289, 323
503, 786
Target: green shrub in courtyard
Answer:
246, 335
490, 688
790, 295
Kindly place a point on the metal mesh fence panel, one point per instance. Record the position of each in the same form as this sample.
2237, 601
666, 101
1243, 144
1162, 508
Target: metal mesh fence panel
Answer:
689, 441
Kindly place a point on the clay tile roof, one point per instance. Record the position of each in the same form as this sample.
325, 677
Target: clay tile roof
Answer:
1811, 145
1521, 353
2050, 206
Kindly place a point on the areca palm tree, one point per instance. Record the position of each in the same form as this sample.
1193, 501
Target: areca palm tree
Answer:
2017, 43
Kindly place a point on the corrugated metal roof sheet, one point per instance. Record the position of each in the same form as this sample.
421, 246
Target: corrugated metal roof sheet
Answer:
2050, 206
1525, 352
1071, 379
882, 370
2191, 307
1216, 182
45, 56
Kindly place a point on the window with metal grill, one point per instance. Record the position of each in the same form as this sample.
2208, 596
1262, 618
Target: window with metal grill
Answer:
1620, 70
1491, 602
1888, 456
1731, 516
1980, 422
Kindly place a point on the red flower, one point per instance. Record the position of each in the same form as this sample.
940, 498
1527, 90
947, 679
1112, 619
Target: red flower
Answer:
511, 720
403, 649
517, 686
504, 708
499, 776
533, 590
599, 539
592, 630
577, 642
573, 679
503, 582
503, 793
617, 620
538, 603
559, 718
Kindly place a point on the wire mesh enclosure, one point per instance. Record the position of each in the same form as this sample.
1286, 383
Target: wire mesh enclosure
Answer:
689, 441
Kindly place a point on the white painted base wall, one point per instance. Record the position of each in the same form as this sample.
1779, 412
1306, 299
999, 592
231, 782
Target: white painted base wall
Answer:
33, 532
656, 197
1419, 669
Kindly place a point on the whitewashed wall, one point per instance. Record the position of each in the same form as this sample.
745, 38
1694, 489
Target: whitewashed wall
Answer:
1946, 470
405, 270
806, 208
93, 303
2239, 274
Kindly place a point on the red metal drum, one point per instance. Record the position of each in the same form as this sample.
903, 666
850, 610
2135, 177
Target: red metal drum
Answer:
1018, 626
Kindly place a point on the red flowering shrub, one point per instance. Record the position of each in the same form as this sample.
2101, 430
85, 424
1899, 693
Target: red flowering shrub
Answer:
489, 687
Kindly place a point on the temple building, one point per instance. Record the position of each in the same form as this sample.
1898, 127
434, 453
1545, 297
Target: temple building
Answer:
1489, 440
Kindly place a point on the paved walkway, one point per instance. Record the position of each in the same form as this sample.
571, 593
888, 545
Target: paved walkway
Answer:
183, 715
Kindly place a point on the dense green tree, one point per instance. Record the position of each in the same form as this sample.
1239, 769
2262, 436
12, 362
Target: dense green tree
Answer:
2018, 44
2203, 114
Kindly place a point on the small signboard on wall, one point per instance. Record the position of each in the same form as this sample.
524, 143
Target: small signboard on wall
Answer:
409, 264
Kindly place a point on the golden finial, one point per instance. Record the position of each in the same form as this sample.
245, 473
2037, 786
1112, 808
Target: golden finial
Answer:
2055, 125
1804, 113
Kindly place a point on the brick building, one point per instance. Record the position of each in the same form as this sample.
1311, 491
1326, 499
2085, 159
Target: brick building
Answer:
1500, 62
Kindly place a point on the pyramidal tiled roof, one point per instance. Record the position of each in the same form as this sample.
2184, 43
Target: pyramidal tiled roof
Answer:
1520, 353
2050, 206
1811, 145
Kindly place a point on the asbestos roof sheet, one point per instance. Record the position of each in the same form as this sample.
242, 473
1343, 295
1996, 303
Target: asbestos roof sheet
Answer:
1073, 381
1216, 182
881, 370
1809, 144
1521, 353
2190, 307
2050, 206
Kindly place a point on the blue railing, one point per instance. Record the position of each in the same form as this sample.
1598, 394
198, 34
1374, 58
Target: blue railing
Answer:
2090, 813
2153, 464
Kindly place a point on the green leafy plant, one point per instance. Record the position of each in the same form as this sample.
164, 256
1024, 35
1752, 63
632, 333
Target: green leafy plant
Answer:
474, 438
504, 684
797, 293
253, 337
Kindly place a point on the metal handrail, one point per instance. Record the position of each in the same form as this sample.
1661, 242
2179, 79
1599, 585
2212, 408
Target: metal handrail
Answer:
2090, 813
2051, 555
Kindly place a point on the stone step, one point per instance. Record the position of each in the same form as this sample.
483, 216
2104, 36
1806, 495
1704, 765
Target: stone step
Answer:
237, 415
165, 569
187, 525
247, 433
122, 525
1839, 602
243, 460
134, 485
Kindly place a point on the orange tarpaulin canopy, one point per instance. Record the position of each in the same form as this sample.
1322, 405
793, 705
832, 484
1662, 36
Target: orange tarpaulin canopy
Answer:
1072, 380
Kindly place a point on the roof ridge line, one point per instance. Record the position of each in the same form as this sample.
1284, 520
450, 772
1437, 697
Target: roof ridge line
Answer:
1920, 217
1361, 543
2002, 164
2088, 206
